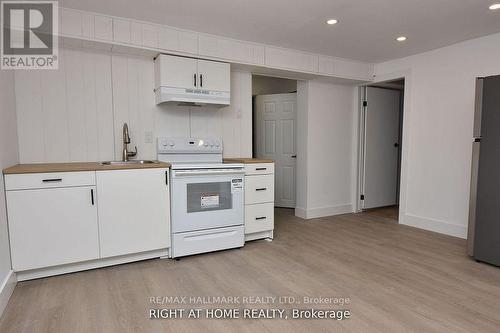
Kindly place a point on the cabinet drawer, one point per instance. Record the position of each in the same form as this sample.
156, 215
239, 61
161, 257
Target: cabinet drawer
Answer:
259, 218
259, 169
259, 189
49, 180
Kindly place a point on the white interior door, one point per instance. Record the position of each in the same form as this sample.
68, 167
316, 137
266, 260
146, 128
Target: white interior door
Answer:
276, 123
381, 147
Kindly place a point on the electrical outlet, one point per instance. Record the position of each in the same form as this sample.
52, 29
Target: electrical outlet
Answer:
148, 137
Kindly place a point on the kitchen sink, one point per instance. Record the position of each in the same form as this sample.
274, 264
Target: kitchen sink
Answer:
128, 162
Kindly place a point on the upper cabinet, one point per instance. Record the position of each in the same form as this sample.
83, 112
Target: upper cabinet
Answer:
229, 49
154, 36
79, 24
290, 59
214, 76
176, 72
188, 80
345, 68
124, 35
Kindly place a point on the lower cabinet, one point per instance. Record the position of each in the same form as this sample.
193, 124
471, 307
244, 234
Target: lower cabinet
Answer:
259, 201
134, 211
259, 217
52, 226
68, 221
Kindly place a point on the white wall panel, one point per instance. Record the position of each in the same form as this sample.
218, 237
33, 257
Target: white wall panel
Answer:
77, 113
8, 157
66, 115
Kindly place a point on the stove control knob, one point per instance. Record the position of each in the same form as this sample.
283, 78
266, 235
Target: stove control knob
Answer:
206, 144
217, 144
164, 143
171, 143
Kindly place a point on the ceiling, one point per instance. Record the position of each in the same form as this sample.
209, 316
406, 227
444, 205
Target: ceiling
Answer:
366, 30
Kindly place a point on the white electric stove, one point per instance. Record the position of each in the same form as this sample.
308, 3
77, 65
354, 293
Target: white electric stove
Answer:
207, 199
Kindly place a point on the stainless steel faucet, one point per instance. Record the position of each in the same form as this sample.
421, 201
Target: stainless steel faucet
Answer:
126, 140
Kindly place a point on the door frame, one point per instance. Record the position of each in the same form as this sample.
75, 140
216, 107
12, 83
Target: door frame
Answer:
255, 140
403, 181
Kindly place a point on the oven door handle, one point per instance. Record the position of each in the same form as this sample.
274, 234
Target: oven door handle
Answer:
182, 173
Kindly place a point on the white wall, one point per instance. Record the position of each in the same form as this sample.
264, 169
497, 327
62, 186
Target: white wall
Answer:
8, 157
439, 108
325, 148
77, 112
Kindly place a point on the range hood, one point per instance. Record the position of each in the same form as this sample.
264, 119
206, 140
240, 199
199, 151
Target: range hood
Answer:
191, 97
192, 82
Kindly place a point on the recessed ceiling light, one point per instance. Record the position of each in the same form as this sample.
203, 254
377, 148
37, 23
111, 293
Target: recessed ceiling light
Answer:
332, 21
495, 6
401, 38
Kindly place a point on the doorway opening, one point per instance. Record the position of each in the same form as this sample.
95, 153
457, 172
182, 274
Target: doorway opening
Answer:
381, 135
274, 132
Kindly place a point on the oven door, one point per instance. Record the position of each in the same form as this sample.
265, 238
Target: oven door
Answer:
207, 199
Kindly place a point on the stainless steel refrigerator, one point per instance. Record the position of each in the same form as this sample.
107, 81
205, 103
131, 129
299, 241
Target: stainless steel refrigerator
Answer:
484, 212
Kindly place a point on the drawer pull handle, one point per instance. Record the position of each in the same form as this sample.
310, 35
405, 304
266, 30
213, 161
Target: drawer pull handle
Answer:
52, 180
260, 169
261, 189
261, 218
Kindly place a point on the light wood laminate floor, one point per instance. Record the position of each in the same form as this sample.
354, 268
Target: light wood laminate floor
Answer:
398, 278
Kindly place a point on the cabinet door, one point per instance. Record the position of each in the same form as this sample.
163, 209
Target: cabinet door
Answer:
178, 72
214, 75
134, 211
53, 226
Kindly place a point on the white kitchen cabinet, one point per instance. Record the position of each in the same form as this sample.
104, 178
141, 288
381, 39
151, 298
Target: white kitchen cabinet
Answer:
122, 31
88, 27
214, 75
103, 27
176, 72
291, 59
182, 72
259, 201
259, 189
136, 33
52, 226
150, 35
176, 40
259, 218
70, 22
134, 211
230, 49
345, 68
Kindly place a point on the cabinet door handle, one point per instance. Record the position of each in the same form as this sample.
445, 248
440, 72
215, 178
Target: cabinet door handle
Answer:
201, 80
194, 76
260, 169
92, 196
166, 178
261, 218
261, 189
52, 180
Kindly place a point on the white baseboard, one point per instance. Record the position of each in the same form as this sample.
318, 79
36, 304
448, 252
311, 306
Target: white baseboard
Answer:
438, 226
6, 289
300, 212
313, 213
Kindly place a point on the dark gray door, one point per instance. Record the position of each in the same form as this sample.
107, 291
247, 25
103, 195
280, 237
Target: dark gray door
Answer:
487, 230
